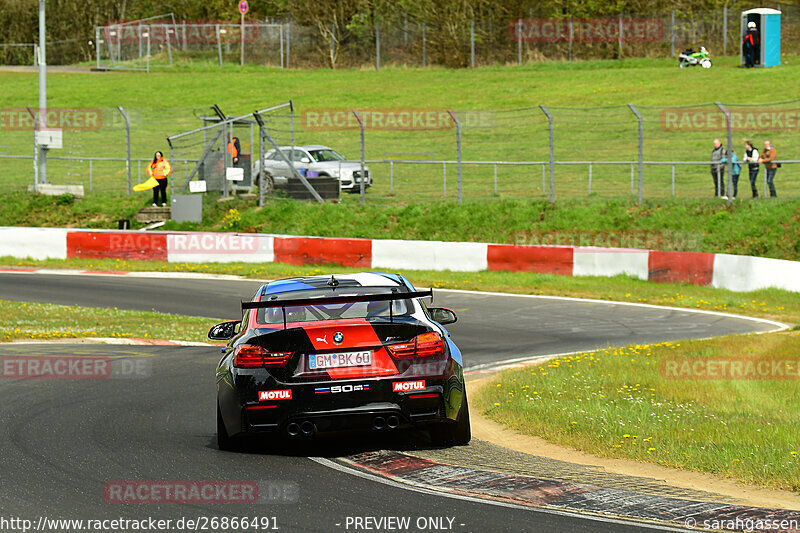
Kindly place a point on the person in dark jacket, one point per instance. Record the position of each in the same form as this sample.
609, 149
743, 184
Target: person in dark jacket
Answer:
750, 45
718, 158
751, 158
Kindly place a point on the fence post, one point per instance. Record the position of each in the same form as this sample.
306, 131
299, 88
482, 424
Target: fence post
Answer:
641, 150
280, 37
167, 31
147, 34
127, 144
550, 131
96, 47
363, 175
472, 43
35, 118
444, 179
673, 179
458, 151
391, 177
590, 178
571, 37
620, 35
729, 165
495, 179
672, 32
724, 30
219, 44
424, 40
377, 47
519, 42
288, 42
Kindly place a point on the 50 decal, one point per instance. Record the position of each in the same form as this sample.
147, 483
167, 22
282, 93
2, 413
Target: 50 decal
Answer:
337, 389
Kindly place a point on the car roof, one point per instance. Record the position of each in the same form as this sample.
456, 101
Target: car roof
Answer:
322, 281
308, 147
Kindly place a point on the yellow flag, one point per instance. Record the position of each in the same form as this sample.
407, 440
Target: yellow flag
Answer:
149, 184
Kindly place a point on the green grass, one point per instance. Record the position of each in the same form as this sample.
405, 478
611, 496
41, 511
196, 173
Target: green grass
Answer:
595, 135
768, 303
43, 321
767, 228
622, 403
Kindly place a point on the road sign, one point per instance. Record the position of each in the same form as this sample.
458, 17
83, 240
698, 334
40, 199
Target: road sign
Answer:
243, 7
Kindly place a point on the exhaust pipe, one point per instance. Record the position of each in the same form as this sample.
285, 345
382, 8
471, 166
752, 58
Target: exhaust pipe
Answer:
308, 428
293, 429
392, 422
379, 423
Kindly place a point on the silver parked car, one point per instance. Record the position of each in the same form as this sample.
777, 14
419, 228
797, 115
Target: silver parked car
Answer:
313, 160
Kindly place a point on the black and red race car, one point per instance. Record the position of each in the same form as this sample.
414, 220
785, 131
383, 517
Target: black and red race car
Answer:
340, 352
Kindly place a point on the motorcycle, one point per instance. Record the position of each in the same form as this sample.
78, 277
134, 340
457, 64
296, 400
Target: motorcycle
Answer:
690, 58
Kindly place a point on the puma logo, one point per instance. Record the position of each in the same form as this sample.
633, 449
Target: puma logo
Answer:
323, 339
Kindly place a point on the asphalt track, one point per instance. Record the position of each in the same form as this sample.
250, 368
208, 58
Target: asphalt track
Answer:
62, 441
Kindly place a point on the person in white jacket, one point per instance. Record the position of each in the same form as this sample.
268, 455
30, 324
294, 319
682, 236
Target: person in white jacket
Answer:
751, 157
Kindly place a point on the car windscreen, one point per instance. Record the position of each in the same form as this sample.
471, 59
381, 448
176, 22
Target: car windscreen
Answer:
326, 155
339, 311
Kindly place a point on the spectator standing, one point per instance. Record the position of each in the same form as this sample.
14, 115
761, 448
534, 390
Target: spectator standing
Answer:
718, 159
751, 158
750, 45
159, 169
234, 148
770, 161
736, 170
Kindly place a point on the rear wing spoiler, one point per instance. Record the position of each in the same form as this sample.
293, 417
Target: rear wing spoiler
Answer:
330, 300
283, 304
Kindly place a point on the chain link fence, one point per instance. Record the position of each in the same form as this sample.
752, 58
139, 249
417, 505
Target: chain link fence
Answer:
417, 154
403, 40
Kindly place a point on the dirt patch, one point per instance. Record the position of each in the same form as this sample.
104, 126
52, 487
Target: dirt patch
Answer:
734, 492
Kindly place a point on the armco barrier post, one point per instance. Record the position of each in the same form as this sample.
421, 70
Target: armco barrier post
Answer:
552, 157
128, 145
458, 151
729, 165
363, 176
641, 150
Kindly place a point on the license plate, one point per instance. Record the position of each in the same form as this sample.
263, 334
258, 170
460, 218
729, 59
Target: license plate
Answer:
339, 360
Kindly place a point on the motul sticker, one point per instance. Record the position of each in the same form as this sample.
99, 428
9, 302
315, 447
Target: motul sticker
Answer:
405, 386
266, 395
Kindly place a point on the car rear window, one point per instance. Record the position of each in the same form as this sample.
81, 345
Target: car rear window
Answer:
350, 310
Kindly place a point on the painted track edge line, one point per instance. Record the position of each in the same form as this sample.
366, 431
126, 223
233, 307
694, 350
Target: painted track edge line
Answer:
425, 489
780, 326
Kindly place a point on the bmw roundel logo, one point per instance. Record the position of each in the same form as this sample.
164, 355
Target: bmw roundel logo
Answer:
338, 337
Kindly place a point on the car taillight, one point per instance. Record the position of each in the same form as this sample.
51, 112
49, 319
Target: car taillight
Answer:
252, 356
423, 345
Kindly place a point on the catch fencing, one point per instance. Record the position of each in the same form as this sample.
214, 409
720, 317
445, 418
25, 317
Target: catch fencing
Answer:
543, 152
403, 39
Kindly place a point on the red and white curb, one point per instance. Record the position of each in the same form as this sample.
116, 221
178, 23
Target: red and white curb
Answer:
733, 272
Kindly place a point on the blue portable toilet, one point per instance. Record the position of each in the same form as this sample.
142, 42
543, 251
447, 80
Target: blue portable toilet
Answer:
768, 23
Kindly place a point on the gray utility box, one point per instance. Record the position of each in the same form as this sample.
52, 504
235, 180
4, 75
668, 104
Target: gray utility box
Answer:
327, 188
187, 207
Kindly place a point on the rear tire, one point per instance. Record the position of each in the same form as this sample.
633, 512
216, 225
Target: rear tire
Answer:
224, 441
705, 63
458, 434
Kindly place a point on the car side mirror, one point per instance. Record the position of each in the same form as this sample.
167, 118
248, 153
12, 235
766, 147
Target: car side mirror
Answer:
223, 331
443, 315
305, 160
